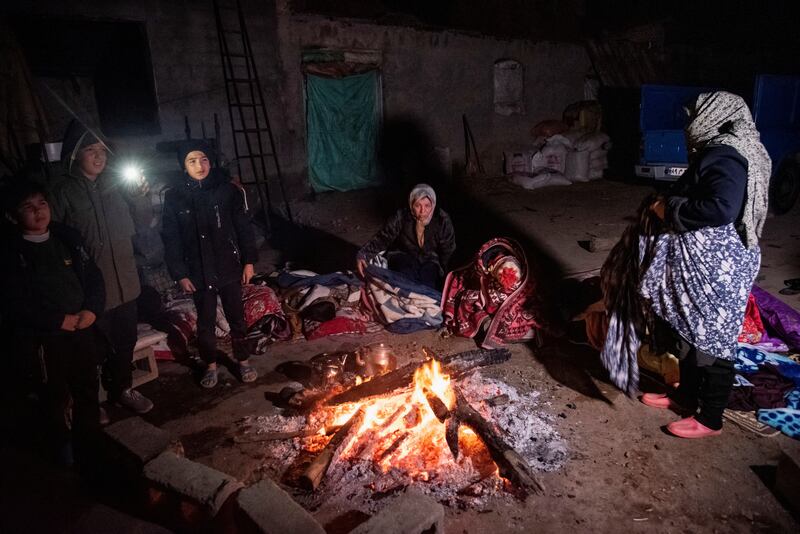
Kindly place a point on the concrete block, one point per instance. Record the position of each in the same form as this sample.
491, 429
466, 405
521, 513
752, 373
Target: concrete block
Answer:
273, 511
139, 438
787, 477
411, 513
191, 481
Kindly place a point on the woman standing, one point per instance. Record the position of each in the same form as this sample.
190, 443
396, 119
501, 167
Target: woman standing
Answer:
696, 269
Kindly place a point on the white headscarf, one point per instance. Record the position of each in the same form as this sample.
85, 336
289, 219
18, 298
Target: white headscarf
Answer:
722, 118
422, 191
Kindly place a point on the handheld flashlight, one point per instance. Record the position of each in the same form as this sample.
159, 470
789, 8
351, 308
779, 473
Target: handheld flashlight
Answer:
131, 172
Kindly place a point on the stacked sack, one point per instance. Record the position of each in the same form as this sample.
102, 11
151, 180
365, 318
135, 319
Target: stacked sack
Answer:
590, 158
547, 165
568, 151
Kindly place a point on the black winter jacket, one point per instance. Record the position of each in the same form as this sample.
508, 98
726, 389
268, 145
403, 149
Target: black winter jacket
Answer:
400, 234
23, 299
207, 235
711, 192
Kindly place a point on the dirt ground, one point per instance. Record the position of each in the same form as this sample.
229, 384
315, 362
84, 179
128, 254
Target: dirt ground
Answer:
624, 472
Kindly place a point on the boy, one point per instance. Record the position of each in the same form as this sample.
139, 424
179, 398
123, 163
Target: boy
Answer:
210, 251
93, 202
53, 295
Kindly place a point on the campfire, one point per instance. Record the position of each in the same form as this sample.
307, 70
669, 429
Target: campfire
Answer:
415, 425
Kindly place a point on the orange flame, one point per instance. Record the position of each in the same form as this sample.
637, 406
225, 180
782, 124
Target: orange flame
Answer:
431, 377
402, 431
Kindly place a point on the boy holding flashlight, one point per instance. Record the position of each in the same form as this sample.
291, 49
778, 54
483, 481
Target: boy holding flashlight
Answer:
210, 251
102, 208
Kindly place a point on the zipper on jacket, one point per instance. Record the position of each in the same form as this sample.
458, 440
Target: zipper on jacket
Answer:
216, 212
235, 248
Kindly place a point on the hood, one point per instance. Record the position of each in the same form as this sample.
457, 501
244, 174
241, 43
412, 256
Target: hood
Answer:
76, 137
190, 145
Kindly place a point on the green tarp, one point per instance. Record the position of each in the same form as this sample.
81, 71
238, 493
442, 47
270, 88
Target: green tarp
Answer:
343, 116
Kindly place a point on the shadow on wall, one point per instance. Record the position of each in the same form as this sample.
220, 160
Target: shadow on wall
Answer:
311, 248
406, 157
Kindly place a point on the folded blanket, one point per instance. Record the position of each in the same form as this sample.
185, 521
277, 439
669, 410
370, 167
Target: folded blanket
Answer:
390, 297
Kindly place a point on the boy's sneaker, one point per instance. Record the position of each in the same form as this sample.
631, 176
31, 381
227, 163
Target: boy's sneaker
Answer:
134, 401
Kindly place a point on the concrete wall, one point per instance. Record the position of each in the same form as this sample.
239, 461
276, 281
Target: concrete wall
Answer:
432, 78
429, 78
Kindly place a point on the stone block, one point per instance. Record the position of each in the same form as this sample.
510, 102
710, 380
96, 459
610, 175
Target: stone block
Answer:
139, 438
787, 476
411, 513
191, 481
273, 511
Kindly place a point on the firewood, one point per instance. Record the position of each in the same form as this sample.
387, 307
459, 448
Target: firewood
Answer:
373, 437
454, 365
314, 473
509, 462
275, 436
392, 419
394, 446
451, 435
439, 408
412, 418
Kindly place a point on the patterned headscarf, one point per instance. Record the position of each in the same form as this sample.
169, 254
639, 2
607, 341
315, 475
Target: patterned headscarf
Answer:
722, 118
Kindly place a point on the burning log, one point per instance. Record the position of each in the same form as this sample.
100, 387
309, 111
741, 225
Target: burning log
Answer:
412, 418
438, 406
394, 446
510, 464
454, 365
314, 473
451, 435
277, 436
373, 437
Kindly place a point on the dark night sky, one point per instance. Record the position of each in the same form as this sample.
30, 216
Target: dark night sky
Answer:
736, 22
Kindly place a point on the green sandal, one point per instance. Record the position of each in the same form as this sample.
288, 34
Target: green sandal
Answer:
247, 372
209, 379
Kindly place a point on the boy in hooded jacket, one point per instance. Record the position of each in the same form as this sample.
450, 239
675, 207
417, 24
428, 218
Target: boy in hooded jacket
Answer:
210, 251
101, 206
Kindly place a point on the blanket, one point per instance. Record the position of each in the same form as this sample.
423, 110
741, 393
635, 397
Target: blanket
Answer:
392, 298
494, 294
783, 415
265, 319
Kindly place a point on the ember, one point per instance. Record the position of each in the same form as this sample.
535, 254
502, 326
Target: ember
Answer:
391, 441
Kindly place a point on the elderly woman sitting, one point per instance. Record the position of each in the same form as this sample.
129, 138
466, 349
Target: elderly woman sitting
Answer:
417, 241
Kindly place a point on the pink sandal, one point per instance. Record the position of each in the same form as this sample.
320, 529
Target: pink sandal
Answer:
691, 428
